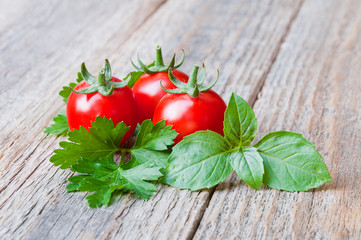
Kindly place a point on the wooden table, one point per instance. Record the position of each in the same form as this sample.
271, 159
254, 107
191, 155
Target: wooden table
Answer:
298, 63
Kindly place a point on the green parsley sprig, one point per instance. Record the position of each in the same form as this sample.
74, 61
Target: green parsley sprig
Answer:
60, 124
92, 155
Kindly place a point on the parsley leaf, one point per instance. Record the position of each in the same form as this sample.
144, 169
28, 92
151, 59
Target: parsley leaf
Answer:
99, 198
91, 154
60, 125
156, 158
103, 188
65, 92
135, 179
103, 140
103, 177
152, 143
291, 162
157, 137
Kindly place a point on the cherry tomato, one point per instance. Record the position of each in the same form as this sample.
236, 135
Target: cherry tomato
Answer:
190, 114
148, 92
120, 106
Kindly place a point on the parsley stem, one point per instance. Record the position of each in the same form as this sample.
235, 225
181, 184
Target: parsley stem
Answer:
122, 159
124, 149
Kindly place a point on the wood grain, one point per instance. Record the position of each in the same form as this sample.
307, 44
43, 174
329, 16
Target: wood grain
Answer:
314, 88
298, 62
47, 45
37, 53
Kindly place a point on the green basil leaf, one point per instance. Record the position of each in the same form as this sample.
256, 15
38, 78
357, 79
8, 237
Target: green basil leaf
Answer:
200, 160
249, 166
291, 162
240, 123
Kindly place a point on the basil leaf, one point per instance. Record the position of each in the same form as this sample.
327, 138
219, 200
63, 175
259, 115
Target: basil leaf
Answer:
291, 162
200, 160
240, 123
249, 166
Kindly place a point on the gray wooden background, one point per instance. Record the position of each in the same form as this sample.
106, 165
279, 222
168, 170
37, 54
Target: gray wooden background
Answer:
298, 63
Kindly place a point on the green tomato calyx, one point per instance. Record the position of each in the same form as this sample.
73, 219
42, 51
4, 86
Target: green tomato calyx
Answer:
103, 83
195, 83
158, 64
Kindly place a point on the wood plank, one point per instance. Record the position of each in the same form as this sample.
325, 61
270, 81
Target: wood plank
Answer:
313, 88
14, 9
37, 57
33, 201
35, 66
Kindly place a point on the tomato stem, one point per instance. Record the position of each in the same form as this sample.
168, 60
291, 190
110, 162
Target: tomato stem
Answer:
101, 78
195, 92
193, 86
159, 57
103, 83
158, 65
195, 83
193, 77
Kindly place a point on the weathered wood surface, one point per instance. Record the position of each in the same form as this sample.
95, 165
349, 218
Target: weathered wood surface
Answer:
299, 62
313, 88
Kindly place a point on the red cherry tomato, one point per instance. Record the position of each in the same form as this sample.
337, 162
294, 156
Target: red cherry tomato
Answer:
188, 114
148, 92
120, 106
